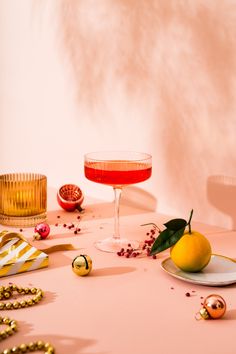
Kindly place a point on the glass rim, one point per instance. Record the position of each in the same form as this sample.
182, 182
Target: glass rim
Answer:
10, 176
145, 156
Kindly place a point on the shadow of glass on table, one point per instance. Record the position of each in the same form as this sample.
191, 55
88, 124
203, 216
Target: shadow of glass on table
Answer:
134, 201
221, 192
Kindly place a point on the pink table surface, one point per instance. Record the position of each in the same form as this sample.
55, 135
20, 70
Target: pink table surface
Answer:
124, 305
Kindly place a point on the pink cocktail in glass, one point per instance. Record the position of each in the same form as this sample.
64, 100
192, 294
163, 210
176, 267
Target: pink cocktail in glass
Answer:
117, 169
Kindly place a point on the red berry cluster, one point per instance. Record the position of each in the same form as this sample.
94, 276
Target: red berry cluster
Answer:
149, 242
128, 252
145, 248
70, 226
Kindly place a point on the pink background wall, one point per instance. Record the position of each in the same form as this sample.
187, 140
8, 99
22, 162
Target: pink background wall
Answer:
155, 76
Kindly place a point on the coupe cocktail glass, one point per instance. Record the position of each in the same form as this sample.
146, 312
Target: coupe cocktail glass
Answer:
117, 169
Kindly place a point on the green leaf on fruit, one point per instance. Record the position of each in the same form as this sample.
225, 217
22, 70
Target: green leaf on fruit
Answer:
175, 224
166, 239
173, 232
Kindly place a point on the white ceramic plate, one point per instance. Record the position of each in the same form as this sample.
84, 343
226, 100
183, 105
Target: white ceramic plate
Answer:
220, 271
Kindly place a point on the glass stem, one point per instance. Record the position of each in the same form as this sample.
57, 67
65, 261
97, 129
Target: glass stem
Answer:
117, 193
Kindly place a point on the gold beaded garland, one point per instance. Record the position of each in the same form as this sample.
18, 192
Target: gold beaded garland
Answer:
6, 292
11, 327
47, 348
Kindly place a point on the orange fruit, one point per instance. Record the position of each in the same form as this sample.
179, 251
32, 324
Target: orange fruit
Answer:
192, 252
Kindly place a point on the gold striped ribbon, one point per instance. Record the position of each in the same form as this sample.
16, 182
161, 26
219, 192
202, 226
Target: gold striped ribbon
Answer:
20, 256
6, 236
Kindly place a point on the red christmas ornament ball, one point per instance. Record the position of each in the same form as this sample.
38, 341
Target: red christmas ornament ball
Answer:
70, 197
42, 229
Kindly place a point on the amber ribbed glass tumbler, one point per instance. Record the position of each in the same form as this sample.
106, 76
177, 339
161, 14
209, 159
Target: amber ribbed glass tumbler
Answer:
23, 199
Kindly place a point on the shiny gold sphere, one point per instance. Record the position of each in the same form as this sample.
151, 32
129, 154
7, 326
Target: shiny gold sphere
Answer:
215, 306
82, 265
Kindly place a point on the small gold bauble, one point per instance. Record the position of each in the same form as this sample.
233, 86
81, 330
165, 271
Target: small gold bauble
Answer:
214, 306
82, 265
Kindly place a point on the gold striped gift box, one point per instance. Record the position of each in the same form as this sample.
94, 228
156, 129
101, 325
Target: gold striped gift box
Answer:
18, 256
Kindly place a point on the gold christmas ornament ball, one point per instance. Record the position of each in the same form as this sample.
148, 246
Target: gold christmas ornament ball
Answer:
214, 306
82, 265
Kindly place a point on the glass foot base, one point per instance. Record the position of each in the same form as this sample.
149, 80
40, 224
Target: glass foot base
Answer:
23, 221
114, 245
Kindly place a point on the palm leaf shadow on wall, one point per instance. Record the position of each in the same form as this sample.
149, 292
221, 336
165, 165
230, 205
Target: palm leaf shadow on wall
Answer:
141, 46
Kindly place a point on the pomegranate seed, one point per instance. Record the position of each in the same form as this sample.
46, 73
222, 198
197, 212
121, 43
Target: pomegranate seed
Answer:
129, 245
127, 255
78, 217
154, 256
21, 230
64, 225
187, 294
75, 232
118, 254
147, 233
58, 216
56, 224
